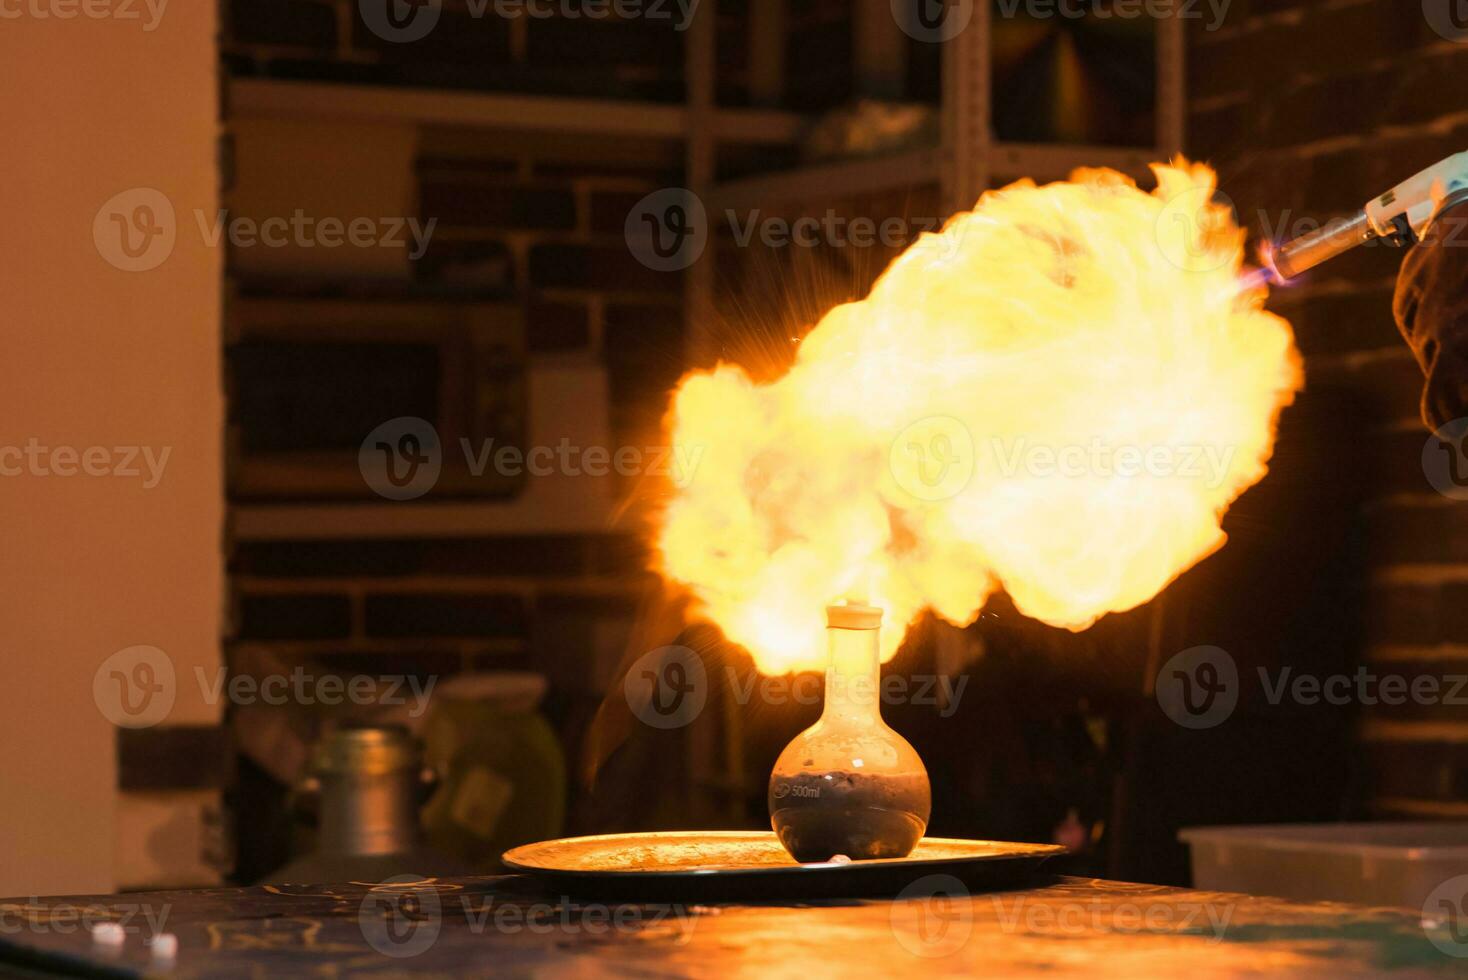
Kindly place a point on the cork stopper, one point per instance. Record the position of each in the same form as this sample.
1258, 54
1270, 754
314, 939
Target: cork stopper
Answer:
853, 617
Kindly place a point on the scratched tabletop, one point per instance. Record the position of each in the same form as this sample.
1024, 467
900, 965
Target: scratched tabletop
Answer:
506, 927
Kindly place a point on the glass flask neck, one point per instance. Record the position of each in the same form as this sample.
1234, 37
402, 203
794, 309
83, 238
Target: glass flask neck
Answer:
853, 677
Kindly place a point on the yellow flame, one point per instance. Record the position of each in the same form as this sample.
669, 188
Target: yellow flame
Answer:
1059, 394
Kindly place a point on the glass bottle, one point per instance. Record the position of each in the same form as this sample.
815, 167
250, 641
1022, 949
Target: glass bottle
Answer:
849, 785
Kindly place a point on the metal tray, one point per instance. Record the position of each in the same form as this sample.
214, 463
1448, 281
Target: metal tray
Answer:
743, 865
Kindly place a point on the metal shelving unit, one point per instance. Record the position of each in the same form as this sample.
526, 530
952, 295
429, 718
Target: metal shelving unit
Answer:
966, 163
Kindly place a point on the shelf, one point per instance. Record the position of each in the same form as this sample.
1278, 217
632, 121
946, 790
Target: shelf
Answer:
1007, 161
563, 511
825, 181
1046, 162
254, 98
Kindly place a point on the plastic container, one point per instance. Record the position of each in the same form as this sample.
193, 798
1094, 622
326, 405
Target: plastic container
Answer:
1366, 863
504, 778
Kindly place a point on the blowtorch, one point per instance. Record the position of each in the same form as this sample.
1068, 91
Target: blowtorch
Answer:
1398, 217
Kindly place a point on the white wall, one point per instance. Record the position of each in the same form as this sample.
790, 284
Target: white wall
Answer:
94, 356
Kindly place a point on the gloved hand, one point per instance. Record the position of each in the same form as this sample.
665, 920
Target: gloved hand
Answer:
1431, 309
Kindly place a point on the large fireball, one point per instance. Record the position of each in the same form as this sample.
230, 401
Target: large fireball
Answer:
1059, 394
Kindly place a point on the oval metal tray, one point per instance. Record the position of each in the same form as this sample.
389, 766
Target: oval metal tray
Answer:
738, 864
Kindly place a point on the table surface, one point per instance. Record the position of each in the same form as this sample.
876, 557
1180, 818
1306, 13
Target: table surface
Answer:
505, 927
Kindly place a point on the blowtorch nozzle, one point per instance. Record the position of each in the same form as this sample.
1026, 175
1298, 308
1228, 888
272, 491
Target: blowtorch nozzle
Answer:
1399, 217
1309, 250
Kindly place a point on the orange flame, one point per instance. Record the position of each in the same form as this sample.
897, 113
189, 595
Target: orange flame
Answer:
1059, 394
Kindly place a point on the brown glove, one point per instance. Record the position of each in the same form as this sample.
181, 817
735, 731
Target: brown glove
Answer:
1431, 308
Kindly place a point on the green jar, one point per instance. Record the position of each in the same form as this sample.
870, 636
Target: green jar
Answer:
501, 770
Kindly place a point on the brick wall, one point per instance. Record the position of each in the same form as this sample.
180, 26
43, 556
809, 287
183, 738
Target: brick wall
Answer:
535, 222
1307, 107
328, 40
549, 224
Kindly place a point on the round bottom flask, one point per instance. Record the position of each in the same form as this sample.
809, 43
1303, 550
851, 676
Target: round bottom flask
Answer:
849, 784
